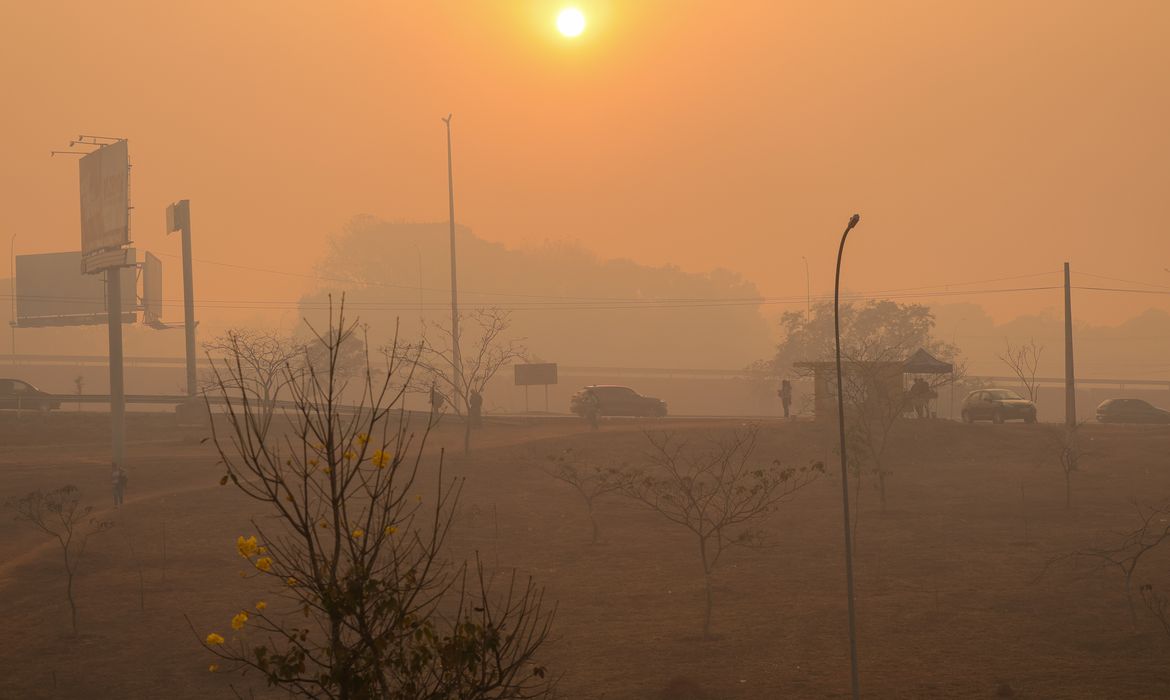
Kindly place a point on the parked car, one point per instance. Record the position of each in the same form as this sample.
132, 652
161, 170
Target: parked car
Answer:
997, 405
618, 401
15, 393
1131, 411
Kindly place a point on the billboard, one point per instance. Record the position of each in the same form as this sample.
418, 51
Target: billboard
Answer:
105, 198
538, 374
151, 290
52, 291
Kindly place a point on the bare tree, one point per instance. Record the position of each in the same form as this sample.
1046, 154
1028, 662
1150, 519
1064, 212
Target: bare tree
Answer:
1063, 447
485, 349
1023, 360
257, 364
60, 515
715, 492
1127, 553
365, 603
588, 480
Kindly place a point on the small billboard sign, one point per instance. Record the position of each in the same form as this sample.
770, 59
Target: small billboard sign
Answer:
536, 374
151, 290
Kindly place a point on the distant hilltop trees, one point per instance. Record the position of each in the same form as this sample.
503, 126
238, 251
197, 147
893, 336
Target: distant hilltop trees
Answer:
569, 305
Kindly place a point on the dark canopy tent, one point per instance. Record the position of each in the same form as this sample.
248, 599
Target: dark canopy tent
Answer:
922, 362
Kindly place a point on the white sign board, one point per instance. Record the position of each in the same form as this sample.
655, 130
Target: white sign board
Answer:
152, 289
105, 198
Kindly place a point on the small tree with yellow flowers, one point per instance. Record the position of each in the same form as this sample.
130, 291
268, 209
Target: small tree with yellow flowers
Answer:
363, 603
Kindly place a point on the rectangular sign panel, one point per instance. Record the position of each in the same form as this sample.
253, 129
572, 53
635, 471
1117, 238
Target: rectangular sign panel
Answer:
151, 289
105, 198
51, 290
536, 374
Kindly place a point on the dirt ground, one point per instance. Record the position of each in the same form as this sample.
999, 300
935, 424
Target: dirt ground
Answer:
950, 597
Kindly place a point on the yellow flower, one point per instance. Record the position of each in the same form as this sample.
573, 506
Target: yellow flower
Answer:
381, 458
292, 581
246, 547
213, 668
363, 438
358, 532
261, 605
418, 498
264, 563
390, 529
239, 620
313, 462
349, 454
214, 639
327, 470
323, 525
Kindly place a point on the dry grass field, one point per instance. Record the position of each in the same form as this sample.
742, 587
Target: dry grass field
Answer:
951, 601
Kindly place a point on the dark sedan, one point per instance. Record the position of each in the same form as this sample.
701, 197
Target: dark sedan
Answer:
18, 394
997, 405
617, 401
1131, 411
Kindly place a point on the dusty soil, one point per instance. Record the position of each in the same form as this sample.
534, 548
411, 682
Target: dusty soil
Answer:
951, 600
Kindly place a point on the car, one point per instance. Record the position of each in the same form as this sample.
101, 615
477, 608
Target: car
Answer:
19, 394
1131, 411
997, 405
618, 401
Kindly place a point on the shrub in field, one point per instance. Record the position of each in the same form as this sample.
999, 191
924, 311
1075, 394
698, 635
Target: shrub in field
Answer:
1127, 552
362, 602
715, 491
60, 515
588, 480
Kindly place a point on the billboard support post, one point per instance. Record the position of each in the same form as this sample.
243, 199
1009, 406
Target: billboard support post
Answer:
179, 219
105, 233
117, 391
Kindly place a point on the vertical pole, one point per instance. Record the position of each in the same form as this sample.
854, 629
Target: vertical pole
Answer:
456, 360
12, 283
854, 675
117, 395
188, 297
1070, 387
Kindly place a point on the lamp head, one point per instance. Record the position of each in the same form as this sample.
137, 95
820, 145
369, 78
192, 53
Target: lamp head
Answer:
853, 221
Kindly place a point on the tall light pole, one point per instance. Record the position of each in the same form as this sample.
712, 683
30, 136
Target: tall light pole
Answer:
12, 283
807, 292
456, 360
844, 470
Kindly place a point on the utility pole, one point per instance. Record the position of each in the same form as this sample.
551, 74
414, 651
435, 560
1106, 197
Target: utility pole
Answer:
456, 360
1070, 385
179, 219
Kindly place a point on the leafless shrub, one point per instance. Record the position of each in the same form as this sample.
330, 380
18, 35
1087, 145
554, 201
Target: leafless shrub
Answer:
588, 480
1127, 552
716, 492
1023, 360
60, 515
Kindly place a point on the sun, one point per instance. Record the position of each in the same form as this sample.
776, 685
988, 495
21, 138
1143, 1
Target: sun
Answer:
571, 22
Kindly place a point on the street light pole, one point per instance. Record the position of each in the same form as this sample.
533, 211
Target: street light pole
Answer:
844, 470
12, 283
456, 360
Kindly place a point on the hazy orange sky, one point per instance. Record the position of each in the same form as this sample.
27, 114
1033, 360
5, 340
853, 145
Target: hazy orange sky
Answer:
978, 140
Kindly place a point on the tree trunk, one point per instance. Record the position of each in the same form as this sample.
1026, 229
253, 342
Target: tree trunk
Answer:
69, 594
707, 588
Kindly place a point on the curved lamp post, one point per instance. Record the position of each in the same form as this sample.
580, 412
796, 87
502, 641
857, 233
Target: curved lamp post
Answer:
844, 470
